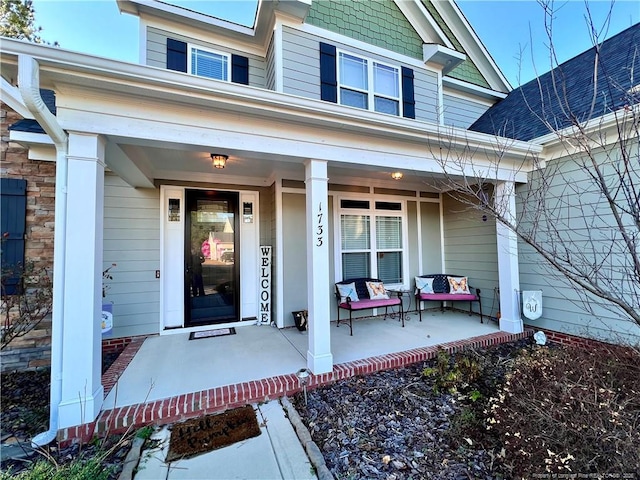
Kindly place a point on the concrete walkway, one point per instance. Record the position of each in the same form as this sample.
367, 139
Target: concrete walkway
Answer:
273, 455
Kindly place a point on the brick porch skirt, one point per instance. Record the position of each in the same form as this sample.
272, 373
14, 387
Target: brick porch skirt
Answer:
183, 407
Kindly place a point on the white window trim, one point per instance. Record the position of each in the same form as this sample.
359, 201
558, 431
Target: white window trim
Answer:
192, 46
371, 94
372, 213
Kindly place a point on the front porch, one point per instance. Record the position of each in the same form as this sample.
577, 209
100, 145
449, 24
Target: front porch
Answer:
172, 378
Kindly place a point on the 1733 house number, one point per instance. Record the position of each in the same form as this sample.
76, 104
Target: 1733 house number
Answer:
320, 227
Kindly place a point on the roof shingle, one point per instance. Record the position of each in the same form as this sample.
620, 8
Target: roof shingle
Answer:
570, 91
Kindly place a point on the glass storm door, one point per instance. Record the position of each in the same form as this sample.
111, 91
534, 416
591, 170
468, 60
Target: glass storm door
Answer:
211, 258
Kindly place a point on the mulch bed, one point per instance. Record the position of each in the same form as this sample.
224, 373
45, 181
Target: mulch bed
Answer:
392, 425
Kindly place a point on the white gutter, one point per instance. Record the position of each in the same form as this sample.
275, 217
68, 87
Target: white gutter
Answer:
29, 85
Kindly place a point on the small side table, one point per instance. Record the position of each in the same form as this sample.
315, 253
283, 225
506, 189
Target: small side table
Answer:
402, 293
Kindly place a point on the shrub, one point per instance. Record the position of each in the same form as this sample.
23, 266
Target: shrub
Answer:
570, 410
25, 300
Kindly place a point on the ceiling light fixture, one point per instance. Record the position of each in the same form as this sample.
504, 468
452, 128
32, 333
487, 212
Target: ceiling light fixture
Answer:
219, 161
397, 175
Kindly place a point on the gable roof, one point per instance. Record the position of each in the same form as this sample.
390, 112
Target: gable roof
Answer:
31, 125
570, 91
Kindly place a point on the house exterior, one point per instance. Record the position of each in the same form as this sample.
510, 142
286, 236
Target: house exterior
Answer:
309, 112
584, 113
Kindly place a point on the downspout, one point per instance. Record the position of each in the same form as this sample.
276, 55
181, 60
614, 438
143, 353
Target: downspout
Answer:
29, 85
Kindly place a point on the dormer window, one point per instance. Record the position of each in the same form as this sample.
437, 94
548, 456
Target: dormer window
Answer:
368, 84
207, 63
197, 60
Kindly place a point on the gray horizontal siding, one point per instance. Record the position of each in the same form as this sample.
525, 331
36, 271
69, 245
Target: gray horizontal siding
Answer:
132, 242
157, 54
461, 112
301, 71
471, 250
156, 48
270, 75
301, 63
425, 87
581, 215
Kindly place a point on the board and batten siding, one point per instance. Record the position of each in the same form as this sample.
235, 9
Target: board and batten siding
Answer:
301, 71
430, 239
294, 244
157, 53
471, 250
132, 242
461, 112
586, 216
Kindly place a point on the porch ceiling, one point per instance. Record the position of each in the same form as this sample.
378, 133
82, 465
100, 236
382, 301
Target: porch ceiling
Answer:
182, 163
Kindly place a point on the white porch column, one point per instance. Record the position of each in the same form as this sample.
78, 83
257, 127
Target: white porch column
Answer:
82, 392
319, 357
508, 270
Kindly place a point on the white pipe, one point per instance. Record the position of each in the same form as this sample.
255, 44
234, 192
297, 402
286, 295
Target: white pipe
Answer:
29, 84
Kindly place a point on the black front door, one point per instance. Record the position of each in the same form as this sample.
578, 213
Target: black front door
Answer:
211, 258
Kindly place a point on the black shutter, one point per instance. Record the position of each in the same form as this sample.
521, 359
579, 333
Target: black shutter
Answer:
408, 99
13, 208
239, 69
176, 55
328, 74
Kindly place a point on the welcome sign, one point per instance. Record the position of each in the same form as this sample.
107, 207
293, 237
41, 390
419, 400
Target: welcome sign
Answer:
265, 285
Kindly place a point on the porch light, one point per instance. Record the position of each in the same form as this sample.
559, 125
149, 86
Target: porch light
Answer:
397, 175
219, 161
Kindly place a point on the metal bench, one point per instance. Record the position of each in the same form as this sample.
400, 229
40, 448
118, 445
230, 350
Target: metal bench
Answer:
441, 293
364, 300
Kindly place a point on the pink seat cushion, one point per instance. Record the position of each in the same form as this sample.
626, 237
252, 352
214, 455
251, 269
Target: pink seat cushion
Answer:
362, 304
448, 296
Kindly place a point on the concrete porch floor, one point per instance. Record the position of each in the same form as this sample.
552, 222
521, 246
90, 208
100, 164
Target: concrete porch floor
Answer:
172, 365
168, 379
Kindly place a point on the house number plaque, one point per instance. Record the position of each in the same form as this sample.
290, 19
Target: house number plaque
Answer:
320, 227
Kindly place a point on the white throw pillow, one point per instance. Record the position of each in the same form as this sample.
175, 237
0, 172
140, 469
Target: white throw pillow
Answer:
424, 285
377, 291
458, 284
347, 290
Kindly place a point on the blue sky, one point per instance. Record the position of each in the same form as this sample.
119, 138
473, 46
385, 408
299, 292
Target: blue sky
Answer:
512, 31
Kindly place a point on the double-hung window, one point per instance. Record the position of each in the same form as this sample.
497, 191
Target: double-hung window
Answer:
371, 239
207, 63
368, 84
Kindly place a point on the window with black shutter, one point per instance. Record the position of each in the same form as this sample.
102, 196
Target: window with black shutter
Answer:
204, 62
361, 82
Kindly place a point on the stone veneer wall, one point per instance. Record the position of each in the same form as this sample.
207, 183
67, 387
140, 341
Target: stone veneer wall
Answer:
34, 349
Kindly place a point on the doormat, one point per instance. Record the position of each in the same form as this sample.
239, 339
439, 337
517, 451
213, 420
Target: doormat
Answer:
218, 332
200, 435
